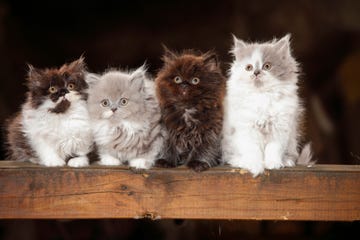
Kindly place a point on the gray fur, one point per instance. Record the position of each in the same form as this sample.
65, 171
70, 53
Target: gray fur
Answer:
133, 131
277, 52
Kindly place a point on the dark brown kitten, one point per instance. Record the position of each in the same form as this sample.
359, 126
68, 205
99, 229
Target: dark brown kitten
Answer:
190, 88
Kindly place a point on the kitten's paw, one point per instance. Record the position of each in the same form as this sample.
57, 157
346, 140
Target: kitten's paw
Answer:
255, 167
273, 163
54, 162
198, 166
140, 163
78, 162
109, 161
289, 162
290, 159
272, 156
163, 163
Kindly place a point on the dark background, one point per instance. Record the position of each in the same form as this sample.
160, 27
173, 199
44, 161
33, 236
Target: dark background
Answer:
325, 40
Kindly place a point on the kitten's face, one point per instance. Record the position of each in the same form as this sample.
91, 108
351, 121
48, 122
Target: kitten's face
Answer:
188, 77
265, 64
56, 86
118, 96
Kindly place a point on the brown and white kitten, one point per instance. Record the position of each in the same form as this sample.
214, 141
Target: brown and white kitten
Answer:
53, 125
190, 88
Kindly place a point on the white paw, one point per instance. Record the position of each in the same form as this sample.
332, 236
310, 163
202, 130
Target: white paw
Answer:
78, 162
109, 160
289, 162
273, 158
54, 162
273, 163
252, 164
256, 168
140, 163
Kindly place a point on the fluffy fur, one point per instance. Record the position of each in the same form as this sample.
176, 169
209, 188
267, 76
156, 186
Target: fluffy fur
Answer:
191, 90
53, 126
262, 108
125, 118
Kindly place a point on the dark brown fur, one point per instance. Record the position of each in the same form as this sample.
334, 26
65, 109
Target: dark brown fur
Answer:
18, 144
192, 114
39, 82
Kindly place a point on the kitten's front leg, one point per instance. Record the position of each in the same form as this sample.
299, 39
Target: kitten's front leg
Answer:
171, 158
140, 163
273, 155
246, 154
203, 158
198, 166
81, 161
47, 154
108, 160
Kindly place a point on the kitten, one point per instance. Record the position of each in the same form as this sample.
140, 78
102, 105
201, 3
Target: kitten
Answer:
125, 118
262, 108
53, 125
191, 89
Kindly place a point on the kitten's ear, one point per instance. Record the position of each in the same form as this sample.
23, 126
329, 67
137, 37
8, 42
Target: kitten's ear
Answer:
33, 76
168, 56
283, 45
77, 66
138, 76
92, 78
239, 45
211, 61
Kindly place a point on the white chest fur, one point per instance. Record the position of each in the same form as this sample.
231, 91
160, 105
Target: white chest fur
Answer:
68, 133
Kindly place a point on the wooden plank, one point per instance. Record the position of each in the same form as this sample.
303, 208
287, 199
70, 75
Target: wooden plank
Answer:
323, 192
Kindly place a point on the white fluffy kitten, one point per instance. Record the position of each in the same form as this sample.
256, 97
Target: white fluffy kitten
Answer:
262, 108
54, 125
125, 118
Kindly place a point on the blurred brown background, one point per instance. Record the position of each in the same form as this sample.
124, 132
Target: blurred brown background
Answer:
326, 41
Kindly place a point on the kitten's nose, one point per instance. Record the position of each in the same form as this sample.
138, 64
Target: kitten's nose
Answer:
184, 85
63, 91
114, 109
257, 72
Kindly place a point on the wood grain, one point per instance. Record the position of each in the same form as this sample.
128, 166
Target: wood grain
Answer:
323, 192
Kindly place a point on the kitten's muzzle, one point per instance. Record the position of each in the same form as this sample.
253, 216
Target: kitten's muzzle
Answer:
113, 108
184, 85
63, 92
184, 88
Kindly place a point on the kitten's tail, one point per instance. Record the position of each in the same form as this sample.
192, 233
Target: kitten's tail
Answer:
305, 158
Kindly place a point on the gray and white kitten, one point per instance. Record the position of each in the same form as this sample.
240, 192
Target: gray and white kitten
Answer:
262, 108
125, 118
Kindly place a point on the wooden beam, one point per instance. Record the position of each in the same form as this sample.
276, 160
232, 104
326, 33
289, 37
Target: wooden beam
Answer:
322, 192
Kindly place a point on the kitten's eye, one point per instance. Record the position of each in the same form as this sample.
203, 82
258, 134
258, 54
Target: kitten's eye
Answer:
195, 81
71, 86
249, 67
177, 80
124, 101
267, 66
52, 89
105, 103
